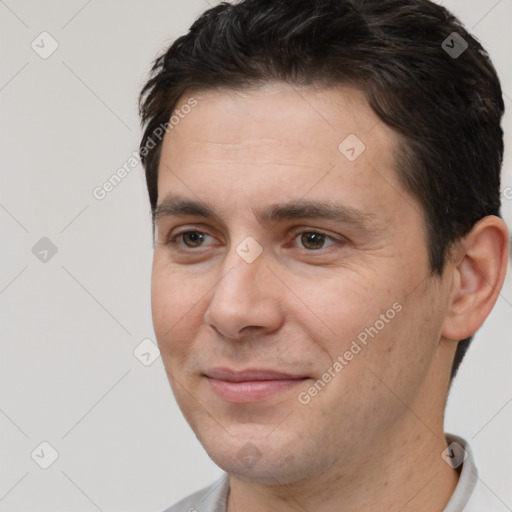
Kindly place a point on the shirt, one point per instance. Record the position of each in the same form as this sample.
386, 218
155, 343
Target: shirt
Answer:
470, 495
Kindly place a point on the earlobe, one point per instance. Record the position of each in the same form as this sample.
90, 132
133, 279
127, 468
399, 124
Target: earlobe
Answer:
479, 273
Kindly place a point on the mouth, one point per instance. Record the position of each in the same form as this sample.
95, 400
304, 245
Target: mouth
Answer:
250, 385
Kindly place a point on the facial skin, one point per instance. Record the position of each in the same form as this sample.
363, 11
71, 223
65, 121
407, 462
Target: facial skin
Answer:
372, 438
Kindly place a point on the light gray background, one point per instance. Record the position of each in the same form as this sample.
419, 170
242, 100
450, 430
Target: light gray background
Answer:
68, 374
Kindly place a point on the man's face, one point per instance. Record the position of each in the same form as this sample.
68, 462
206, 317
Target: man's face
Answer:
359, 293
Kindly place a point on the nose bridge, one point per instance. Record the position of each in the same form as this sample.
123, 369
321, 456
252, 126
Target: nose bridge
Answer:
245, 259
241, 272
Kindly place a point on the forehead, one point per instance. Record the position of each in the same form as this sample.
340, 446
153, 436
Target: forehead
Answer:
290, 115
279, 141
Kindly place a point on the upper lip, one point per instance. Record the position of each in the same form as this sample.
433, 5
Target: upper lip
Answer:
249, 375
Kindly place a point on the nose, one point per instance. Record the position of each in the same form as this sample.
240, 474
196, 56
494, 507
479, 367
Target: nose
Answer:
245, 300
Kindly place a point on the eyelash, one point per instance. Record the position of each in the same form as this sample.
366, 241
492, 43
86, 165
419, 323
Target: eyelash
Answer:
173, 240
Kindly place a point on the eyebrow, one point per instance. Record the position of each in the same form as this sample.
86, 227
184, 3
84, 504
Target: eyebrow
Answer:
295, 209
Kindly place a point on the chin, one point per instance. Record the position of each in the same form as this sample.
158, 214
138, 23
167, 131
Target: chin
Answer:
269, 459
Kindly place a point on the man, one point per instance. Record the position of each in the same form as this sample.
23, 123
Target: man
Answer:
326, 210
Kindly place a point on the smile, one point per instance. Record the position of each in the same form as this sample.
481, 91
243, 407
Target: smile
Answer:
250, 385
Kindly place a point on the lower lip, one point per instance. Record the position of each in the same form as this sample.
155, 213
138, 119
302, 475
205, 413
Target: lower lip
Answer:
251, 391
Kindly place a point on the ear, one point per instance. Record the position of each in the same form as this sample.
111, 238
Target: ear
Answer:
479, 272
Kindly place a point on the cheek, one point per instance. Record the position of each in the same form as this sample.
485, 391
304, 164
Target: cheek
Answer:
402, 352
337, 307
174, 306
371, 323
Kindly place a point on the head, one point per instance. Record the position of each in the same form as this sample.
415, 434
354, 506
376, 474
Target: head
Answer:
353, 104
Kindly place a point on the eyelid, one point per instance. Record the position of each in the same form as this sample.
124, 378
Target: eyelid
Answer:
300, 230
173, 236
295, 230
294, 233
308, 229
180, 230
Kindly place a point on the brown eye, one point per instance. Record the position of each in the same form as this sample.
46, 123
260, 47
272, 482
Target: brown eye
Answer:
191, 239
314, 240
194, 237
